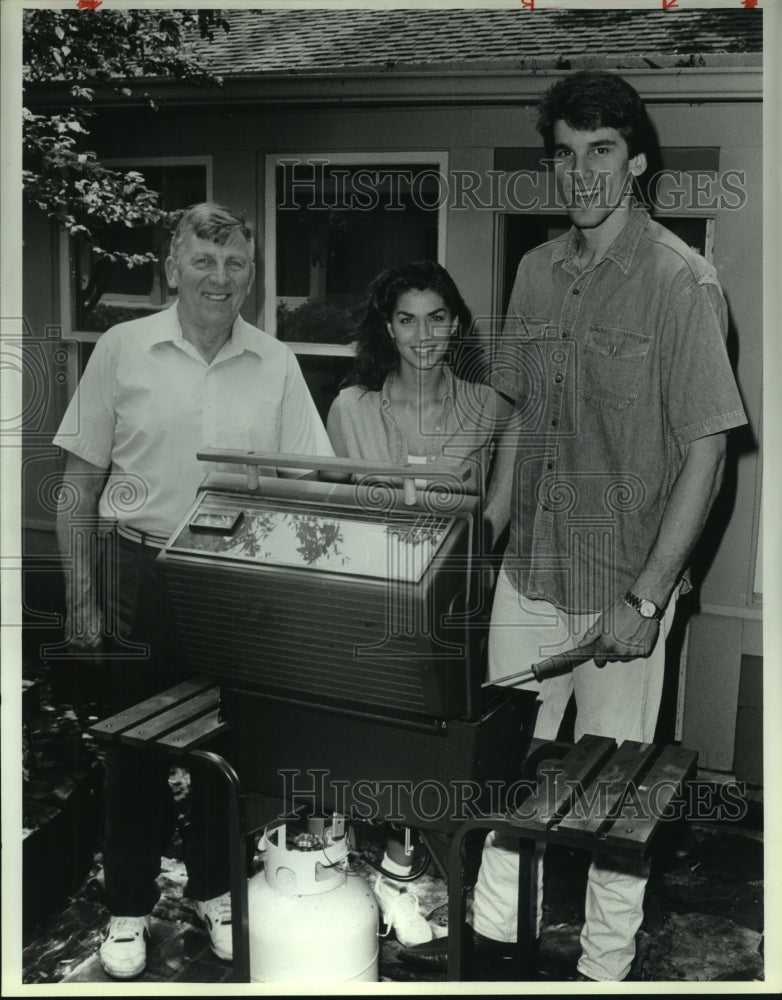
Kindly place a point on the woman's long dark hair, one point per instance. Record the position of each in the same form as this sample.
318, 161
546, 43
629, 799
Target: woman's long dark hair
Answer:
376, 353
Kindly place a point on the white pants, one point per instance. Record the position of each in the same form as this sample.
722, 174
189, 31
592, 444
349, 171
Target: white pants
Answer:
620, 700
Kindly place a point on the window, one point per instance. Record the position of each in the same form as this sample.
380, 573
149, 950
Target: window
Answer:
334, 221
111, 292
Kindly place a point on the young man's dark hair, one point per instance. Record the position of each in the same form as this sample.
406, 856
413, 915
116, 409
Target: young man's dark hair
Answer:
592, 99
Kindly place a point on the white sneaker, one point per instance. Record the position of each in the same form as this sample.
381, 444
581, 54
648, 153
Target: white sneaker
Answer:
123, 953
402, 912
216, 915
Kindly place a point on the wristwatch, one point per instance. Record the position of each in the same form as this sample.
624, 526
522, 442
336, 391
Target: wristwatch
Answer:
645, 608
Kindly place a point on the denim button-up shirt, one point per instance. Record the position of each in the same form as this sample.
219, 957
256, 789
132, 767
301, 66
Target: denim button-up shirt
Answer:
614, 369
463, 434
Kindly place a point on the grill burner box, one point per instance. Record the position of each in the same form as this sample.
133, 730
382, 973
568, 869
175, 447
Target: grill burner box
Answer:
330, 594
347, 629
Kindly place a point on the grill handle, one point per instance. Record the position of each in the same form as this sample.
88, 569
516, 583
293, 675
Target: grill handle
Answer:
408, 472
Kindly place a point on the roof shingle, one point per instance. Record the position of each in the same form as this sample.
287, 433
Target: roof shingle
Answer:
322, 40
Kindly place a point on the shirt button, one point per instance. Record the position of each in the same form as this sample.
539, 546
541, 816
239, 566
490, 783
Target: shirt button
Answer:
563, 335
554, 423
549, 465
576, 291
558, 377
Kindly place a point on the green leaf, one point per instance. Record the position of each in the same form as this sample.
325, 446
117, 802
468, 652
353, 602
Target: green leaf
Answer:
114, 48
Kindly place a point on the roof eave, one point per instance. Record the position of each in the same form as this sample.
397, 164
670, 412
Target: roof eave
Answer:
514, 81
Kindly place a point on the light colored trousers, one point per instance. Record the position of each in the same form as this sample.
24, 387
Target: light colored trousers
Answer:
620, 700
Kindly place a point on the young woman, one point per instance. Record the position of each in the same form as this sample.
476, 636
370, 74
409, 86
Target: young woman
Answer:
405, 404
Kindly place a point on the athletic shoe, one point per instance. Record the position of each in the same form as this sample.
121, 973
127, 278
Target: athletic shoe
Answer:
402, 912
123, 953
216, 915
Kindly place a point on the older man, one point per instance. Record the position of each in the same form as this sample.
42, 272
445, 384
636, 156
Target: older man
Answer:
155, 392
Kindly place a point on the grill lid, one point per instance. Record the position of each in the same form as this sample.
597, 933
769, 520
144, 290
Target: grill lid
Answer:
388, 545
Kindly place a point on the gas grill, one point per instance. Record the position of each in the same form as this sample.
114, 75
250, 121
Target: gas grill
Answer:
346, 625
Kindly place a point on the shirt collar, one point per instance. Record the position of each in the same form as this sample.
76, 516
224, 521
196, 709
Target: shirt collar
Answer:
167, 329
244, 339
622, 250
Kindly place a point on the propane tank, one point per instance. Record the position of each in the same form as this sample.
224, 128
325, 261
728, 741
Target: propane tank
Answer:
310, 919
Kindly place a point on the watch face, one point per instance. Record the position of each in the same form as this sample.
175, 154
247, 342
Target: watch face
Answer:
647, 609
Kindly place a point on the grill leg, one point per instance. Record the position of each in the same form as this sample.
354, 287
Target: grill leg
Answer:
240, 922
525, 958
459, 935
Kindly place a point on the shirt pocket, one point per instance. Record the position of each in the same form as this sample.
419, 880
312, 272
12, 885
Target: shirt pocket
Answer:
612, 366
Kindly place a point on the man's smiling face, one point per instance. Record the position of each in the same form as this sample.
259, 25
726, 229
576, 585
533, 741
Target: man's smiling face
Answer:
593, 170
212, 280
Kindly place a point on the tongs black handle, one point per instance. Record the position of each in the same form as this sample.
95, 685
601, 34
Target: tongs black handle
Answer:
552, 666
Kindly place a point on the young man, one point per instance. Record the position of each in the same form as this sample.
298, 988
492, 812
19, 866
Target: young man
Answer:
154, 393
614, 354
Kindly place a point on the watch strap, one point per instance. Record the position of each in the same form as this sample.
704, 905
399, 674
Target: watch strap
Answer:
634, 602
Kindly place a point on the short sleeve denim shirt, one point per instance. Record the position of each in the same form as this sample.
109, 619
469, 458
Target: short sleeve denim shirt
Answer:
614, 370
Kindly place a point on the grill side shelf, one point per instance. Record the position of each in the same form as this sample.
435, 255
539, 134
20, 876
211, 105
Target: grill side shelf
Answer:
180, 696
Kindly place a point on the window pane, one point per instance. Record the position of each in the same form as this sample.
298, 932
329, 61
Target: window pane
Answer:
524, 233
338, 225
692, 231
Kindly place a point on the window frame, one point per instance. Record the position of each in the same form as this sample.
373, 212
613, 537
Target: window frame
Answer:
436, 157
